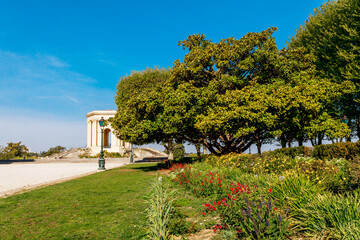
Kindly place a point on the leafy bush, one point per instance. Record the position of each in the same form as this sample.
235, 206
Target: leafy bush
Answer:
253, 163
295, 191
293, 151
331, 217
239, 205
347, 150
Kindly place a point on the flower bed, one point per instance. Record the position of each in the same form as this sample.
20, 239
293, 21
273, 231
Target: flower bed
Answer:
252, 203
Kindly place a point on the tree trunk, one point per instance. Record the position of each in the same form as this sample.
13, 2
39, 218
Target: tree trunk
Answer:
205, 152
198, 152
258, 145
283, 143
171, 150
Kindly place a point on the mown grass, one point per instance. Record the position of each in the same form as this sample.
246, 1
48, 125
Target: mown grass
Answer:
106, 205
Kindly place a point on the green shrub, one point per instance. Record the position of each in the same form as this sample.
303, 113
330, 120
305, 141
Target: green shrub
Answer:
295, 191
292, 151
331, 217
347, 150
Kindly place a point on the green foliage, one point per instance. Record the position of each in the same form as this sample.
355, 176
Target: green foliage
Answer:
293, 151
178, 225
347, 150
52, 151
179, 151
336, 175
140, 116
13, 150
159, 211
331, 217
240, 206
252, 163
240, 91
295, 191
228, 96
332, 34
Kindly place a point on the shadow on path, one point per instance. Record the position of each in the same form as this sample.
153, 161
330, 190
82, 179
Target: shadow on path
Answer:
16, 161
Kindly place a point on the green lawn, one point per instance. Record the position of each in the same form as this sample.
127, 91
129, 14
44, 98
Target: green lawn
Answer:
107, 205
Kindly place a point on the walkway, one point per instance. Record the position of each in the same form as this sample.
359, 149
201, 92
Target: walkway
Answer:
20, 177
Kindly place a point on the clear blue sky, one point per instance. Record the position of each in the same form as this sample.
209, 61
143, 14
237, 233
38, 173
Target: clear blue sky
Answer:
62, 59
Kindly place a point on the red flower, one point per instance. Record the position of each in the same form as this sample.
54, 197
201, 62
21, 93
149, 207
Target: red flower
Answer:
203, 213
270, 190
275, 209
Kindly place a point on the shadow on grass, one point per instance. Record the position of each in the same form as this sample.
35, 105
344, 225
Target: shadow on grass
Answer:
144, 167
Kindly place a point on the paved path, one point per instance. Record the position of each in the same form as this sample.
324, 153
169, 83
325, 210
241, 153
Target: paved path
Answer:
20, 177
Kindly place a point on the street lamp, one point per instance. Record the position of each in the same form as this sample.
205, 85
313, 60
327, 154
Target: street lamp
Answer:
345, 120
101, 159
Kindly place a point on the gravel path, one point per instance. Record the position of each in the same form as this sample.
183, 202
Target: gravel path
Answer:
17, 178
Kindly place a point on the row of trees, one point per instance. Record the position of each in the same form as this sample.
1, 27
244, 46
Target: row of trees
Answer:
235, 93
18, 150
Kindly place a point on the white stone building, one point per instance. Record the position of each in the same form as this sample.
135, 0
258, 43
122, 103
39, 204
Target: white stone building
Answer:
111, 142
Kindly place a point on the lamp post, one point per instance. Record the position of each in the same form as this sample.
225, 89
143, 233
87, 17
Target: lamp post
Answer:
101, 159
345, 120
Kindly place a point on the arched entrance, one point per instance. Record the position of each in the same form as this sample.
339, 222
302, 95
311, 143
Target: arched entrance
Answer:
107, 138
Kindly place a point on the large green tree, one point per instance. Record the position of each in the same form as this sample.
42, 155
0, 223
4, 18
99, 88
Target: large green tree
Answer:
140, 100
226, 96
332, 35
240, 91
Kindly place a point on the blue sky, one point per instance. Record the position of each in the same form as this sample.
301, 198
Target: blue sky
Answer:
62, 59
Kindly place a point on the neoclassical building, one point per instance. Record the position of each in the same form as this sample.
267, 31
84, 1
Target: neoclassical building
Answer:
111, 142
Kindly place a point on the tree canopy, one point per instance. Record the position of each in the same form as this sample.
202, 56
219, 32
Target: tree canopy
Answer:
332, 35
13, 150
227, 96
140, 107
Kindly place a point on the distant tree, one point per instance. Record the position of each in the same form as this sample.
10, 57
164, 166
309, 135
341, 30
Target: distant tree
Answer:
13, 150
179, 150
332, 35
52, 150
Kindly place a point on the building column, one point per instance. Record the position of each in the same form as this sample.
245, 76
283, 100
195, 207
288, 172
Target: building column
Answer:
98, 134
114, 145
94, 133
88, 136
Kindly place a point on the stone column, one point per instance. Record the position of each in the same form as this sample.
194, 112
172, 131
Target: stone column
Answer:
94, 133
88, 136
114, 142
98, 134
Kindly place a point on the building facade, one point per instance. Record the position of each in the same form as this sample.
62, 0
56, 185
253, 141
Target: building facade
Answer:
111, 142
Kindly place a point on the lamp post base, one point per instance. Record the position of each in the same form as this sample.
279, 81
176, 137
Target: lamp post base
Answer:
101, 165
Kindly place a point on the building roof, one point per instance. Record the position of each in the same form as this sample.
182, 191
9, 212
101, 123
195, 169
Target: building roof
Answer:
101, 112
